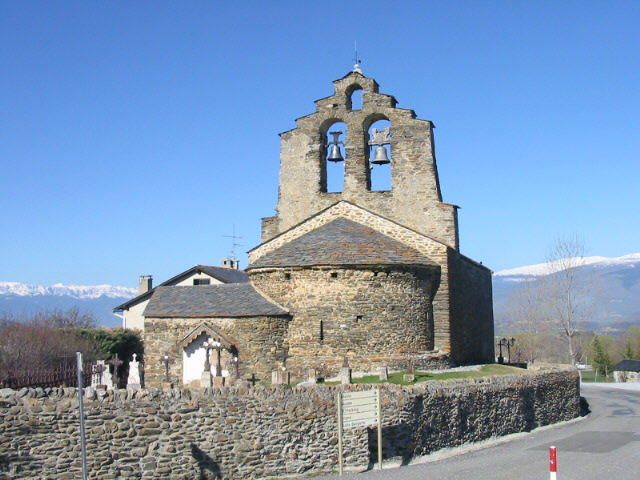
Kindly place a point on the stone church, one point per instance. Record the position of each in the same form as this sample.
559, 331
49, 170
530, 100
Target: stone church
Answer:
371, 274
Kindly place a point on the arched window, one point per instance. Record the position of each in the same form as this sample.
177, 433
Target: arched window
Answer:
380, 155
355, 98
333, 157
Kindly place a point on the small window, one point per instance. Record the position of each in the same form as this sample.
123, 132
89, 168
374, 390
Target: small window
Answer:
202, 281
358, 318
287, 276
334, 274
356, 99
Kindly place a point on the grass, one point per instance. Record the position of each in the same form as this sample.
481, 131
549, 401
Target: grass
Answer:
590, 376
484, 371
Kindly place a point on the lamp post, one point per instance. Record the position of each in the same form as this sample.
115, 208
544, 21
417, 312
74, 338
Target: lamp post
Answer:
508, 343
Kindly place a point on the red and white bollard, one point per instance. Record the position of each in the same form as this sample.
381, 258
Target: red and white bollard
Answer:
553, 463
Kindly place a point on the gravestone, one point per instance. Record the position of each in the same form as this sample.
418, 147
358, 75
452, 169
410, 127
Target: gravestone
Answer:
280, 376
345, 372
410, 376
100, 376
133, 381
345, 376
383, 374
312, 375
219, 381
206, 380
107, 378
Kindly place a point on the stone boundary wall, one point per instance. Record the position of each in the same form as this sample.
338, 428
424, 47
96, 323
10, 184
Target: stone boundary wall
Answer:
240, 432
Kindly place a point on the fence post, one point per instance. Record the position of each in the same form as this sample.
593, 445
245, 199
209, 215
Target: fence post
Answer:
83, 443
553, 463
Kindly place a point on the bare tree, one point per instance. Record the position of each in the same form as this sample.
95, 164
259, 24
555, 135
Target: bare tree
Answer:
528, 319
41, 341
567, 300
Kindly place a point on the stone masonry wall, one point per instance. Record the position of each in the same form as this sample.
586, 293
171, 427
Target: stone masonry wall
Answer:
242, 433
436, 251
472, 337
260, 340
366, 315
415, 199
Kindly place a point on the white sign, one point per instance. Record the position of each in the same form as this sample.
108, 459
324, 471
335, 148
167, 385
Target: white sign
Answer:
359, 409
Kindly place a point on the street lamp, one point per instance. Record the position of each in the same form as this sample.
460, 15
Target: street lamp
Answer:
508, 343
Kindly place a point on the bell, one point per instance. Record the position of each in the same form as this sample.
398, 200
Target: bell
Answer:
334, 154
381, 156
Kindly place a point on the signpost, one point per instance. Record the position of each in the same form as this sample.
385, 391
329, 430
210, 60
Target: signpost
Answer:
83, 443
359, 409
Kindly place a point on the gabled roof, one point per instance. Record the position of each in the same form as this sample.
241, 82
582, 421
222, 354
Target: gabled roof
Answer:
223, 274
627, 366
332, 206
203, 301
342, 242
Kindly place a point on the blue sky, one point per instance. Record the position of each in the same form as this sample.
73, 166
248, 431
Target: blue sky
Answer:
134, 135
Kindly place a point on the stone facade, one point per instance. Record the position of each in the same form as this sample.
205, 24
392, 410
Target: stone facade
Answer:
412, 212
260, 342
246, 433
415, 182
375, 276
472, 331
369, 316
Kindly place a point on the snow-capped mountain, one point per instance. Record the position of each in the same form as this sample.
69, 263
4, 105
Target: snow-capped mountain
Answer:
541, 269
58, 289
614, 284
617, 293
20, 299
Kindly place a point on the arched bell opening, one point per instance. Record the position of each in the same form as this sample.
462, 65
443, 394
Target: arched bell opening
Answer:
379, 154
334, 136
355, 97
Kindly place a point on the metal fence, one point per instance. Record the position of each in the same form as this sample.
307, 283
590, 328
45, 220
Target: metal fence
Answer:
63, 375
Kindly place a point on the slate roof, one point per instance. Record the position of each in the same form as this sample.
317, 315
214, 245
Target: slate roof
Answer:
224, 300
225, 275
342, 242
628, 366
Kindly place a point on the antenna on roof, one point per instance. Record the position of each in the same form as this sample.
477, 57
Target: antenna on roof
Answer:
234, 242
356, 59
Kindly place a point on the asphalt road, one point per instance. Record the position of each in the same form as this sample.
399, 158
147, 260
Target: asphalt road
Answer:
604, 445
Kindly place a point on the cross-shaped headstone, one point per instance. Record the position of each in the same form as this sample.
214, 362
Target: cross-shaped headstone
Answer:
253, 379
116, 362
98, 369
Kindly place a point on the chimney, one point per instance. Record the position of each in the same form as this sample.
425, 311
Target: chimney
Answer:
146, 284
230, 263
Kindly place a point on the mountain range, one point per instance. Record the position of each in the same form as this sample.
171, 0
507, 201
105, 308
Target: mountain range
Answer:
616, 293
614, 290
21, 300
